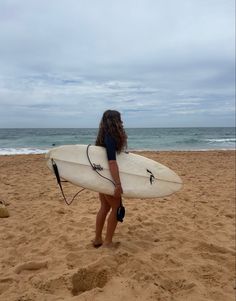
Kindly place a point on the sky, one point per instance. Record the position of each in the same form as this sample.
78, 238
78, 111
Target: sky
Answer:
161, 63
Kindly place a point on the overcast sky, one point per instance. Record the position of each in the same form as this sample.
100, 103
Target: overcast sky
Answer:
161, 63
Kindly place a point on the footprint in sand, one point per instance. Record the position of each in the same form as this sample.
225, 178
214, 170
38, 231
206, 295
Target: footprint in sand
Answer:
31, 265
177, 285
213, 248
60, 284
5, 284
88, 278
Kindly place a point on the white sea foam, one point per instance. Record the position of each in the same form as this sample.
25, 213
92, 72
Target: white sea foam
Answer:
22, 151
28, 151
223, 140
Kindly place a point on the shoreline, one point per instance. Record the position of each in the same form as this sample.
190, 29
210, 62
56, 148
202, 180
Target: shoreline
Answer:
137, 151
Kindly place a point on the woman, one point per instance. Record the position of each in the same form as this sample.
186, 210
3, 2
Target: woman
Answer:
112, 136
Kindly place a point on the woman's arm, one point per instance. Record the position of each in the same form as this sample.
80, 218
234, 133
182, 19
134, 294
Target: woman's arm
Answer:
114, 169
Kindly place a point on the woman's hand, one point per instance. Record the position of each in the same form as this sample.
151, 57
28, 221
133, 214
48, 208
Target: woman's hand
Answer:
118, 191
116, 178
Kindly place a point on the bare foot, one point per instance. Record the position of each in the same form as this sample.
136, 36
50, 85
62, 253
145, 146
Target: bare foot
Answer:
111, 245
97, 243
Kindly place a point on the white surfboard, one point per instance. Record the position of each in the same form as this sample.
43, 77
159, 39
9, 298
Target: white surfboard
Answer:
140, 177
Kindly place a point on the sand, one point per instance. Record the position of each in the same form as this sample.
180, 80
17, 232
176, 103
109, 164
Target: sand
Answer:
176, 248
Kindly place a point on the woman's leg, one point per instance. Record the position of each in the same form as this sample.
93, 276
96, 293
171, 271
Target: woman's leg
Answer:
100, 220
112, 219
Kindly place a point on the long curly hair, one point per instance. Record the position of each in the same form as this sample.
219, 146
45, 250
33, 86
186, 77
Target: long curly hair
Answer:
112, 124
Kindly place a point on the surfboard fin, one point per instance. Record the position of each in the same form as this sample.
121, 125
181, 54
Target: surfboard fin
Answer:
152, 177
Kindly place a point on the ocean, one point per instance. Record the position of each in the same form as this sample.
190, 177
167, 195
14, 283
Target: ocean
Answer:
35, 141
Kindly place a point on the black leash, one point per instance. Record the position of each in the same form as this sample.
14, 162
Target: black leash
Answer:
54, 165
97, 167
120, 211
59, 181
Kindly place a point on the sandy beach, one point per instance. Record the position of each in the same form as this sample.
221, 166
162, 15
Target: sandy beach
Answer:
176, 248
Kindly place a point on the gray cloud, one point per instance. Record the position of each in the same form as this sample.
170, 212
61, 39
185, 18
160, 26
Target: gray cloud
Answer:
171, 63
